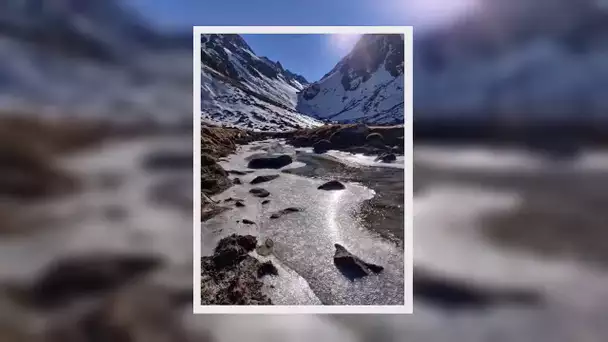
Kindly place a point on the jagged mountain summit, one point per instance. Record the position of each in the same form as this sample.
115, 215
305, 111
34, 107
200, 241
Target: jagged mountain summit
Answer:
239, 88
365, 86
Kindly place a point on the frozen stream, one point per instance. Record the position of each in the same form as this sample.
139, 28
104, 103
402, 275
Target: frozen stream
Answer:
304, 241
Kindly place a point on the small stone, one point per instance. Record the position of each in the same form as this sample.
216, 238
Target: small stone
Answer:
262, 179
332, 185
246, 221
259, 192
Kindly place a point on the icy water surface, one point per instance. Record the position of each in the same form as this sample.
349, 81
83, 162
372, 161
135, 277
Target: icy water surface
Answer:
304, 241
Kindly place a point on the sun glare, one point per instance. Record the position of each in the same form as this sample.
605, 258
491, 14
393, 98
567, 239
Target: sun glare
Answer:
438, 12
343, 43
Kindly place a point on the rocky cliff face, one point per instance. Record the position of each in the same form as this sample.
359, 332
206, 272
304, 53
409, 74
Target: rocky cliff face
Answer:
365, 86
242, 89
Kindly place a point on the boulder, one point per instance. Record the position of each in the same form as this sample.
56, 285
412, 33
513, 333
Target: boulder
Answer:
351, 266
232, 249
236, 181
285, 211
387, 158
274, 162
265, 201
262, 179
259, 192
332, 185
321, 146
246, 221
239, 204
351, 135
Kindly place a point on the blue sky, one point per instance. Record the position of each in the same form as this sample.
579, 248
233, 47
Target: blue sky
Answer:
310, 56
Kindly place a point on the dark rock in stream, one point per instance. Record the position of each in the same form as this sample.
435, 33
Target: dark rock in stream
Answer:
230, 275
262, 179
284, 212
246, 221
351, 266
387, 158
332, 185
239, 173
259, 192
321, 146
275, 162
265, 201
237, 181
239, 204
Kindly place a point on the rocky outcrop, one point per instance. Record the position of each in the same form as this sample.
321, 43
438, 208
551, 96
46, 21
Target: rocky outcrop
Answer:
351, 266
285, 212
272, 162
259, 192
332, 185
231, 276
263, 179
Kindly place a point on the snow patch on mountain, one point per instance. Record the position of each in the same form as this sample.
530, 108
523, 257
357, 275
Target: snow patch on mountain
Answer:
241, 89
365, 86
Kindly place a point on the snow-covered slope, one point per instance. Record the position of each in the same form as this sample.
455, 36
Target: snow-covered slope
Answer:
94, 57
365, 86
239, 88
517, 59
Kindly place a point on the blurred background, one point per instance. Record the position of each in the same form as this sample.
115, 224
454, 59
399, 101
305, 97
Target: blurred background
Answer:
510, 170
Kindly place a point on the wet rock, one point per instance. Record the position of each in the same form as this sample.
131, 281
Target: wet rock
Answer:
284, 212
267, 268
332, 185
321, 146
237, 181
259, 192
265, 249
80, 276
387, 158
262, 179
351, 266
239, 204
232, 249
265, 201
231, 199
275, 162
239, 173
246, 221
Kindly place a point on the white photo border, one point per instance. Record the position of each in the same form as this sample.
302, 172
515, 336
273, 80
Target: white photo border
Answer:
407, 307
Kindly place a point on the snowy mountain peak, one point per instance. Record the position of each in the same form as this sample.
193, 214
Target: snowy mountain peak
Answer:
365, 86
242, 89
